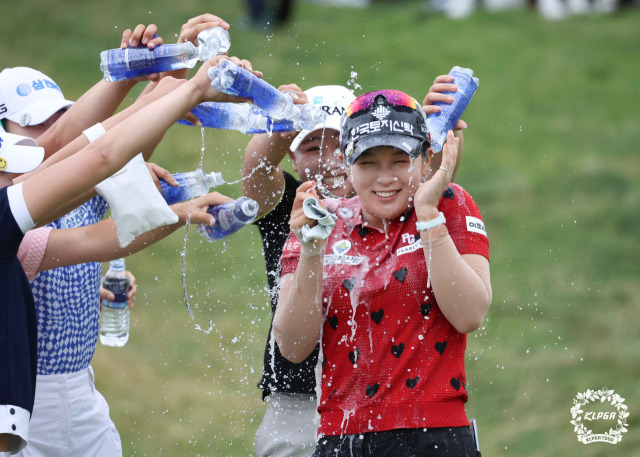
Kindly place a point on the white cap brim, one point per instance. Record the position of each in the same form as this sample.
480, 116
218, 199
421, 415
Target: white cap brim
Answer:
330, 123
37, 113
19, 154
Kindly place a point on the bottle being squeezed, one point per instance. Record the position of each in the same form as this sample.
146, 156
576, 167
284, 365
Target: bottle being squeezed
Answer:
120, 64
114, 319
231, 79
438, 124
248, 118
190, 185
230, 217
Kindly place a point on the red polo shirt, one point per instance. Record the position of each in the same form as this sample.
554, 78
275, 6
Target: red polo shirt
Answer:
390, 359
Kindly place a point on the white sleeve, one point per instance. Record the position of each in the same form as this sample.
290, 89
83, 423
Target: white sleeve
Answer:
19, 208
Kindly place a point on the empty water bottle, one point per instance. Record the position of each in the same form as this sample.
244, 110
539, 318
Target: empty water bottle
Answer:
231, 79
438, 124
114, 320
248, 118
230, 217
128, 63
190, 185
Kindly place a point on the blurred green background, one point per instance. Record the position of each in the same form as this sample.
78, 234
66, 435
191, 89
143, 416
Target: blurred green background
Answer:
551, 158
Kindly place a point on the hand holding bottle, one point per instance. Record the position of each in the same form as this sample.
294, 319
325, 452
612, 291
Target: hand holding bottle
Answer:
196, 209
209, 93
142, 36
438, 92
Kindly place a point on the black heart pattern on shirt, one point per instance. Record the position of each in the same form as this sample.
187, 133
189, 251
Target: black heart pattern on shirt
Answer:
397, 350
376, 316
362, 231
353, 356
440, 347
455, 382
349, 283
333, 321
400, 274
425, 308
412, 382
449, 193
372, 390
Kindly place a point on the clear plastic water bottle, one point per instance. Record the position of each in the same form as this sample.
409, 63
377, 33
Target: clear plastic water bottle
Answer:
190, 185
230, 217
229, 78
120, 64
438, 124
114, 320
248, 118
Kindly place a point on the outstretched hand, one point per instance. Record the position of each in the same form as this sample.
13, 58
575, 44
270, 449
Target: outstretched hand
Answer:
204, 83
428, 194
196, 209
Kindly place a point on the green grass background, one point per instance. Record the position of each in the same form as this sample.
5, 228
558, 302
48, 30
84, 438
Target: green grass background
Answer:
551, 157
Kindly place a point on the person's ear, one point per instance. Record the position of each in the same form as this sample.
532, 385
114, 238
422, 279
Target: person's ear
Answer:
294, 164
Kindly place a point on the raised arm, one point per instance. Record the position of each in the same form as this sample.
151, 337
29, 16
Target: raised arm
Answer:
298, 317
461, 283
261, 170
438, 93
99, 102
67, 179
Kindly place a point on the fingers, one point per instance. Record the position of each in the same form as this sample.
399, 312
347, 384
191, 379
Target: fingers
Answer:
133, 290
202, 217
460, 125
164, 174
190, 30
136, 36
192, 119
148, 34
449, 156
106, 294
299, 97
126, 36
155, 179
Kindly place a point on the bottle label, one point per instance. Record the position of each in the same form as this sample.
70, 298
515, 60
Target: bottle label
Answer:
119, 287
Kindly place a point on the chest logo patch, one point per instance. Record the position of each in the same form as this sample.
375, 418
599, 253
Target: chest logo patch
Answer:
341, 247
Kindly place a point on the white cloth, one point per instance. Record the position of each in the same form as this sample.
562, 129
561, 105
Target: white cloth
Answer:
136, 205
71, 419
19, 208
326, 221
288, 428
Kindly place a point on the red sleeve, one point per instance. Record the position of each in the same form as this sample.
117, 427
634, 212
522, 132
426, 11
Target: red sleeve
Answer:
464, 221
290, 255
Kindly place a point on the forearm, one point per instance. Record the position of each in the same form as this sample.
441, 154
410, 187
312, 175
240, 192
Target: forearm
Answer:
298, 318
95, 105
261, 170
107, 154
461, 283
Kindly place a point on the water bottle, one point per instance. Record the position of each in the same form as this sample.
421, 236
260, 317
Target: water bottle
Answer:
229, 78
190, 185
248, 118
120, 64
230, 217
114, 321
438, 124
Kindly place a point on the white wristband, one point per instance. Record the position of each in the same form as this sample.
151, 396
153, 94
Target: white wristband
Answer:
94, 132
432, 223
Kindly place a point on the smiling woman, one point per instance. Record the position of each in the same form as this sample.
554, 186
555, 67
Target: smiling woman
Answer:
392, 304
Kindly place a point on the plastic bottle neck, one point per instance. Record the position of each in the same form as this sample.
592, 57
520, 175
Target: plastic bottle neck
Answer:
117, 265
213, 179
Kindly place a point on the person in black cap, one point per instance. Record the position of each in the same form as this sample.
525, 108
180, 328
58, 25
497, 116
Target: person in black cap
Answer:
390, 293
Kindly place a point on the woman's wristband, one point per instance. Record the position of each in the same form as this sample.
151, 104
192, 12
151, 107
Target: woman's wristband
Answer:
426, 225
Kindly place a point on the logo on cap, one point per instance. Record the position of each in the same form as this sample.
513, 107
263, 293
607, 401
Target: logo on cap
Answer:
3, 164
23, 90
381, 112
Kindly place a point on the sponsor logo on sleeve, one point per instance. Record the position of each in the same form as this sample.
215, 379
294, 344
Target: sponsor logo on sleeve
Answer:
476, 225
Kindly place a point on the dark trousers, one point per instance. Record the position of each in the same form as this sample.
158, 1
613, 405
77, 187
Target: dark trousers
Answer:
415, 442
